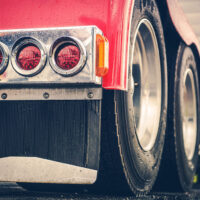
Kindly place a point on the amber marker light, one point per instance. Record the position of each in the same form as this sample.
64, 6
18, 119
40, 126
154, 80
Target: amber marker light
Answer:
102, 55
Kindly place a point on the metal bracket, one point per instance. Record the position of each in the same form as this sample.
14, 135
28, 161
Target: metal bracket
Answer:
51, 94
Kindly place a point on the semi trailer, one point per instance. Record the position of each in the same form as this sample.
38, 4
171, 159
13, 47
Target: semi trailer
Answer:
101, 92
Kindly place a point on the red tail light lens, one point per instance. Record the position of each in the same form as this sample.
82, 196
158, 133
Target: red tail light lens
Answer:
67, 56
1, 57
29, 57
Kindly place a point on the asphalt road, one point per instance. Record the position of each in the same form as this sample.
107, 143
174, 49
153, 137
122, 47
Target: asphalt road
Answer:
15, 192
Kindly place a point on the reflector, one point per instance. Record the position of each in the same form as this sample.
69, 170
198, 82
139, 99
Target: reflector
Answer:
102, 55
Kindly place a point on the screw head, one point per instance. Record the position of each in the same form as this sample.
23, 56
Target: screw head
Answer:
90, 95
4, 96
46, 95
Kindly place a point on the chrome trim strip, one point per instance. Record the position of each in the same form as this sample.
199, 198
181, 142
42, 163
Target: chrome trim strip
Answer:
33, 169
51, 94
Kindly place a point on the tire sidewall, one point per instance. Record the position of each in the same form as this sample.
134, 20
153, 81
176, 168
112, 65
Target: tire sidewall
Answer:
144, 165
186, 168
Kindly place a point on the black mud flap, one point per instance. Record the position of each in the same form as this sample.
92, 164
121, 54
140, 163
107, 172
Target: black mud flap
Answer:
63, 131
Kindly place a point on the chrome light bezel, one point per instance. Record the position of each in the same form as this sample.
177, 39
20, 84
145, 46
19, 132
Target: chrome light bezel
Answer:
5, 59
19, 44
67, 40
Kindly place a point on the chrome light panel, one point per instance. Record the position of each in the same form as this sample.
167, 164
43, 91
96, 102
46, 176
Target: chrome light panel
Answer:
47, 71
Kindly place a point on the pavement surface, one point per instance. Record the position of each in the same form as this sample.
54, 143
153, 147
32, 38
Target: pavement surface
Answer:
15, 192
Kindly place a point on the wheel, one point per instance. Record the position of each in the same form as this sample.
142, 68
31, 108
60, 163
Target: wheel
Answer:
181, 150
186, 116
140, 113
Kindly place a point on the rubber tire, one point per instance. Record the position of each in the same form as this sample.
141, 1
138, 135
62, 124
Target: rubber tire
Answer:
128, 167
177, 173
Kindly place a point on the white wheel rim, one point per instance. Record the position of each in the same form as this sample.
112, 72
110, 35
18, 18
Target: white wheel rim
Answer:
189, 114
146, 84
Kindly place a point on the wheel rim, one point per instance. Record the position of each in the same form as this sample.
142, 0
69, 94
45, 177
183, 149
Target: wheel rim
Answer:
146, 84
189, 114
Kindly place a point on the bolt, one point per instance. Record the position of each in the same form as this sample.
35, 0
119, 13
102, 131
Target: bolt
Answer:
90, 95
136, 84
46, 95
4, 96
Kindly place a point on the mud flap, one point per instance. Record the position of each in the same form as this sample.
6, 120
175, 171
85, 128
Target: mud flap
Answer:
67, 132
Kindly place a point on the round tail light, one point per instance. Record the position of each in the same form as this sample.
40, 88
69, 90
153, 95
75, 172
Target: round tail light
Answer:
67, 56
28, 57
